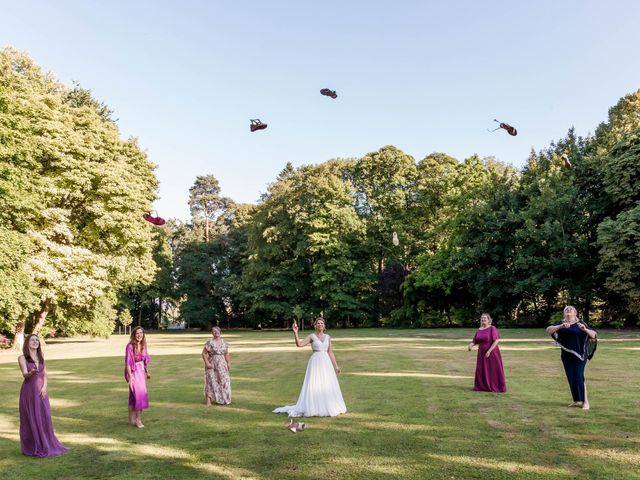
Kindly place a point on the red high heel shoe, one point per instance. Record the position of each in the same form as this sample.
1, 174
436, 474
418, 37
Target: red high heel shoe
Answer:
155, 220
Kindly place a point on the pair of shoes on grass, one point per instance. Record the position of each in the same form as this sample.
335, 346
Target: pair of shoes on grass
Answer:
295, 427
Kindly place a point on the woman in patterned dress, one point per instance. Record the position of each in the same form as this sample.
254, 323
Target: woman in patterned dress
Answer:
217, 384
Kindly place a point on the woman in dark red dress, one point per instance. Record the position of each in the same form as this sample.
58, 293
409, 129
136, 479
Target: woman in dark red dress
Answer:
489, 370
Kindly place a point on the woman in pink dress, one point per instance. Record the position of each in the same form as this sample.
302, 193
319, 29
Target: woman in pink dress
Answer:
217, 384
489, 370
136, 374
36, 429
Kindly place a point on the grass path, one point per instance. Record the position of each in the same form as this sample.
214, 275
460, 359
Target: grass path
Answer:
412, 413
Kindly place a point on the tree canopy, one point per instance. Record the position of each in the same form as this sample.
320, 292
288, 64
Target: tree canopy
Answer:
378, 240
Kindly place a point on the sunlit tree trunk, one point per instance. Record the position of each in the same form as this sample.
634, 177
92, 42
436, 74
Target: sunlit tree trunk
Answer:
18, 338
41, 317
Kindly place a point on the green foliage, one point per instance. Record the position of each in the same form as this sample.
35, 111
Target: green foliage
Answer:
18, 294
125, 318
72, 194
623, 118
621, 170
306, 243
375, 240
619, 235
205, 202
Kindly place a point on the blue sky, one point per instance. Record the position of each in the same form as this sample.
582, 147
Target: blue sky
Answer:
186, 76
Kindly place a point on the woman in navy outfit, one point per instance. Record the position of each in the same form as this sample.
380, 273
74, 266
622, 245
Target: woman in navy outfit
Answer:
572, 335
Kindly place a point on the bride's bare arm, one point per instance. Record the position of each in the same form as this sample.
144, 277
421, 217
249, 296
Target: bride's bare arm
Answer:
299, 343
333, 358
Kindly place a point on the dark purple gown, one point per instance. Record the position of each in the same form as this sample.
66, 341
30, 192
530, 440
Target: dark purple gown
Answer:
36, 428
489, 371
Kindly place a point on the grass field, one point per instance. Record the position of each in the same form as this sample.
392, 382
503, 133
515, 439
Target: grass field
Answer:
412, 413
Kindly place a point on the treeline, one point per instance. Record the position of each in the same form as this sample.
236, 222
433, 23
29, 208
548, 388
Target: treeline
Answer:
379, 240
473, 235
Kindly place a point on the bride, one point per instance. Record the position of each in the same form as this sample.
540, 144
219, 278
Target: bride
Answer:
320, 395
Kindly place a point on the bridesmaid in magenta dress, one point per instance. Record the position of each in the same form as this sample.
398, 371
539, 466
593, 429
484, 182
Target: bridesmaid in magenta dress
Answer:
489, 370
36, 428
136, 374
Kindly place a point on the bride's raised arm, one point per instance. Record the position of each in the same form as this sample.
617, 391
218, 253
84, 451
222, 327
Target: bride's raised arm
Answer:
299, 343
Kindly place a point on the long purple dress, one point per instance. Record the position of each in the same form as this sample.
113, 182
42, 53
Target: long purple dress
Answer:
36, 428
138, 397
489, 371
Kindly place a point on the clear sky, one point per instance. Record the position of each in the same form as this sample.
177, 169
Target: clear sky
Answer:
185, 77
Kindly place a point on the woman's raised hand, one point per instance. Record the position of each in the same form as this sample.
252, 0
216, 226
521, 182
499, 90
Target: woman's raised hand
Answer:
294, 327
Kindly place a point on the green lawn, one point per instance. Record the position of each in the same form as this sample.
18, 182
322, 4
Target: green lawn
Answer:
412, 413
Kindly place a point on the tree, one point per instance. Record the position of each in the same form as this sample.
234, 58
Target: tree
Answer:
619, 234
623, 118
205, 202
306, 256
386, 187
76, 191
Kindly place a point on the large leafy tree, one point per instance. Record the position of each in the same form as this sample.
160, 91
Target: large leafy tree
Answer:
450, 274
210, 256
619, 234
334, 235
83, 227
386, 191
306, 249
20, 191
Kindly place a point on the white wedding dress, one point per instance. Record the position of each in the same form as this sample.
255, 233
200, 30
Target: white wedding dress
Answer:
320, 395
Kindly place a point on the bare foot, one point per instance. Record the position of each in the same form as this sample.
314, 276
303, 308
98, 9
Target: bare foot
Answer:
585, 406
139, 425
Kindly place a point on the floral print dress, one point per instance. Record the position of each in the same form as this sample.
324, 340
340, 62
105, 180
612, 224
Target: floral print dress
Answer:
217, 384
